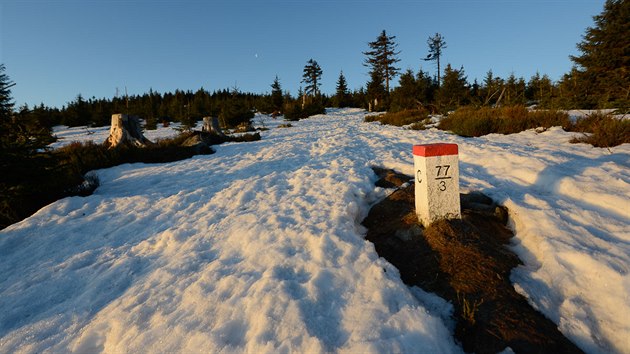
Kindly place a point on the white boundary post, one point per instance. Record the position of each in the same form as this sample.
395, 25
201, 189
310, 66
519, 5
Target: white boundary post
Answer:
436, 182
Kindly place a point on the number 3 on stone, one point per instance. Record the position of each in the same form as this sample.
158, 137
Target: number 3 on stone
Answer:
442, 186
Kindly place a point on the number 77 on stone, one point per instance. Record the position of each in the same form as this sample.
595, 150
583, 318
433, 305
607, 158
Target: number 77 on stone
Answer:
436, 182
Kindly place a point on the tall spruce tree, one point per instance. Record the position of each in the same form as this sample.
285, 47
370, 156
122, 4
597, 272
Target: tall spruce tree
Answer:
311, 78
6, 112
436, 45
342, 96
603, 67
382, 58
277, 99
6, 101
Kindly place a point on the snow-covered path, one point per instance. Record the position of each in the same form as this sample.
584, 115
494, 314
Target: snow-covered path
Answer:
259, 247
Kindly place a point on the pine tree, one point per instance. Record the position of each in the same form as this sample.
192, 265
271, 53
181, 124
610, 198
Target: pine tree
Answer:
311, 78
78, 113
22, 135
277, 99
6, 102
235, 111
382, 58
540, 90
376, 92
426, 87
514, 91
407, 94
454, 91
436, 45
491, 89
6, 112
604, 63
342, 96
475, 93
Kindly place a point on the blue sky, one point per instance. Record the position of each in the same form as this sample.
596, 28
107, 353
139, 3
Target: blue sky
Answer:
54, 50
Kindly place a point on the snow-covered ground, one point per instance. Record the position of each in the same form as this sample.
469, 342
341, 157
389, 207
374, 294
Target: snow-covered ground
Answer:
259, 247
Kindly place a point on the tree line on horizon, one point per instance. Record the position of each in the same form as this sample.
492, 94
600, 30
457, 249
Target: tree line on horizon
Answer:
600, 78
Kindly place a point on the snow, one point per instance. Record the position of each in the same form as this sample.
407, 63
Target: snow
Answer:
259, 247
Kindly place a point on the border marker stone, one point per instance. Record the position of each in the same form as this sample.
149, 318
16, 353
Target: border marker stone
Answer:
436, 182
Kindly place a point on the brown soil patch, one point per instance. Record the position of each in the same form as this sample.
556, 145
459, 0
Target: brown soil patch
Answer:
466, 262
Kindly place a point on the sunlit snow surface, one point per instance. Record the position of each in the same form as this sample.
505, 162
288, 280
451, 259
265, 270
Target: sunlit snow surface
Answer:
259, 247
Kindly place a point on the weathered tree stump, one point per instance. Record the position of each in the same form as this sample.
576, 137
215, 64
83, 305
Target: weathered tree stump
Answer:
125, 131
211, 125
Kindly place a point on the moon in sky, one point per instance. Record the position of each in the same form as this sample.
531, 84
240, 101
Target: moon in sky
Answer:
256, 55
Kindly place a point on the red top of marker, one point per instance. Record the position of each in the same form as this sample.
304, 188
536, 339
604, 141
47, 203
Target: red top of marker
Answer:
438, 149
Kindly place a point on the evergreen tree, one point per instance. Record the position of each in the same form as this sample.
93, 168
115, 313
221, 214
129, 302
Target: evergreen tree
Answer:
491, 89
277, 99
77, 113
22, 135
454, 91
311, 78
407, 94
382, 58
436, 45
574, 91
540, 90
342, 96
235, 111
197, 106
426, 87
603, 67
514, 91
376, 93
358, 97
6, 102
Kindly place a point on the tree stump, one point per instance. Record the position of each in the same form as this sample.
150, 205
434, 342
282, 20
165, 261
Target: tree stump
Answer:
211, 125
125, 131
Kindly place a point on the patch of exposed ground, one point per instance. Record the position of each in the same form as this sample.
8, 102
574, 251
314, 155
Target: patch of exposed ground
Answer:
466, 262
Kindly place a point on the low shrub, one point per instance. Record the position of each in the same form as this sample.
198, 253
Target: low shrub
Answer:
469, 121
400, 118
472, 121
293, 111
245, 138
419, 125
602, 130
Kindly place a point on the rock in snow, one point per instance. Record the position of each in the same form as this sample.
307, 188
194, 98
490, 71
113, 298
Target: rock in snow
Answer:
259, 247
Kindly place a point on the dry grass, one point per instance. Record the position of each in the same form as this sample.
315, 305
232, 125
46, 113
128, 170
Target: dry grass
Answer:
602, 130
405, 117
473, 122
